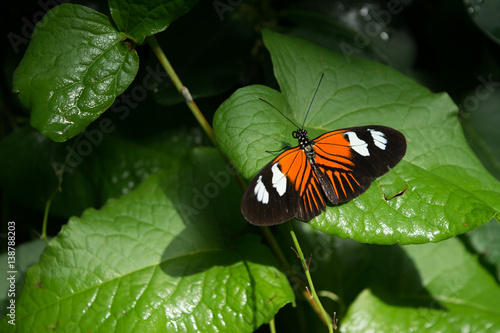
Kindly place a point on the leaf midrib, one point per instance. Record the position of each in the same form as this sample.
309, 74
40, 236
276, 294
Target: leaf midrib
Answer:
60, 299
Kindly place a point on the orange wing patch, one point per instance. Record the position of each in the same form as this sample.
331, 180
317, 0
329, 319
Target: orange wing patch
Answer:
333, 151
313, 201
294, 165
345, 184
334, 158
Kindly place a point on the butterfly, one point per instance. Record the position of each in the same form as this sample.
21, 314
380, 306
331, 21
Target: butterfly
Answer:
337, 167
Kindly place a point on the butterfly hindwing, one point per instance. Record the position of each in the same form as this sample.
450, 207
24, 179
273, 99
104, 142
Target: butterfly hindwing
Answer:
313, 200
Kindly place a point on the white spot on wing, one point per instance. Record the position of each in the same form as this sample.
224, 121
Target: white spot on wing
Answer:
261, 192
279, 180
357, 144
379, 139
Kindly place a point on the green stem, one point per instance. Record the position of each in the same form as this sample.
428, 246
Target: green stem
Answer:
272, 326
268, 235
187, 97
58, 189
46, 215
326, 317
181, 88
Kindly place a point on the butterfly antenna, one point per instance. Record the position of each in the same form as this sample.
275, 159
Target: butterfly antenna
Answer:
312, 100
263, 100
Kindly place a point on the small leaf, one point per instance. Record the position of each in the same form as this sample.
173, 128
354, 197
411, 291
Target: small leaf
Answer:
140, 19
75, 66
446, 189
169, 256
456, 294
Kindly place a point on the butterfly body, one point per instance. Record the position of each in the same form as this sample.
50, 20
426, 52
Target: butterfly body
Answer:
336, 167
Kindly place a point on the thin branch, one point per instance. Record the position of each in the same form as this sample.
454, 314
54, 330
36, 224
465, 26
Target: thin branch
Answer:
183, 90
326, 317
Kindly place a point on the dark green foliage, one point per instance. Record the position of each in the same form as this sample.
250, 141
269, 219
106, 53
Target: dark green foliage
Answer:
159, 243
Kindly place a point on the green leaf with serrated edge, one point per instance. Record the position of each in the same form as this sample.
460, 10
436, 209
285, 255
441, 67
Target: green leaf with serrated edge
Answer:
166, 257
140, 19
75, 66
455, 294
448, 191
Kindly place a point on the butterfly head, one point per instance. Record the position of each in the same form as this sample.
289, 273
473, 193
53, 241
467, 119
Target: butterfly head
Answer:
301, 136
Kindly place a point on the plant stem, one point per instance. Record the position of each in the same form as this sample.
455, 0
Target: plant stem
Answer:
272, 326
58, 189
181, 88
326, 317
46, 213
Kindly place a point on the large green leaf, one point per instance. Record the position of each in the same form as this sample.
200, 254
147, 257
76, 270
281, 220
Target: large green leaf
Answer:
140, 19
453, 293
75, 66
169, 256
448, 191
